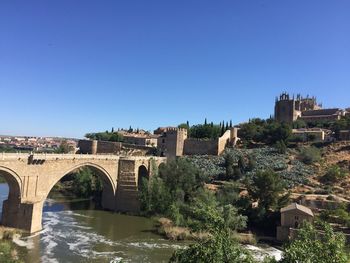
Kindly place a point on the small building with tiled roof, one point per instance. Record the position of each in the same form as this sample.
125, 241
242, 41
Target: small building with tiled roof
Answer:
292, 217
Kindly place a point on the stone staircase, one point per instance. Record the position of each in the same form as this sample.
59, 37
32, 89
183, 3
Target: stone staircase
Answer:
127, 193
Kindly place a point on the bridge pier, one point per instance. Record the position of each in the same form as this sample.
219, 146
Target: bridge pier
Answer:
26, 216
127, 196
107, 200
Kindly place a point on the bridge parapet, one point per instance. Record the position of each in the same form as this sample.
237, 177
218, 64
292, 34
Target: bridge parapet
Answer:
55, 156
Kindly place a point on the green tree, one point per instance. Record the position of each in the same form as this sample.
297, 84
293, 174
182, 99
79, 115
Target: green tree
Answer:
299, 124
266, 188
316, 245
228, 194
154, 196
205, 131
182, 178
86, 183
220, 246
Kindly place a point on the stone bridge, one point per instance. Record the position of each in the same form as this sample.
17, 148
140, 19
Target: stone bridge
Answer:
31, 178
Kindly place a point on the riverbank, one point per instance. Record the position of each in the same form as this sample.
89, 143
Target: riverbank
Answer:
8, 250
167, 229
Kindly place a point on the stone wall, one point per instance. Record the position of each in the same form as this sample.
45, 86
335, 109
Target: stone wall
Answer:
193, 146
223, 141
85, 146
109, 147
105, 147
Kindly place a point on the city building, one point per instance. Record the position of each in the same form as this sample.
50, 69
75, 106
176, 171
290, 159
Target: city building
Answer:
289, 109
312, 134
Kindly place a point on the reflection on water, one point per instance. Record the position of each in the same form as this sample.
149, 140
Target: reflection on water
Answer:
73, 231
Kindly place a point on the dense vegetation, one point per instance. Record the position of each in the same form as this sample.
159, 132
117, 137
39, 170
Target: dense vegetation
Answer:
7, 253
7, 149
266, 172
84, 183
178, 189
238, 164
265, 131
105, 136
270, 131
316, 244
206, 130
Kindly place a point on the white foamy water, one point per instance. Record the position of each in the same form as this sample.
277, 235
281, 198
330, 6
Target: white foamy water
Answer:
260, 253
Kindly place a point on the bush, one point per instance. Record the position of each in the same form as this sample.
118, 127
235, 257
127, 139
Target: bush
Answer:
7, 253
334, 174
220, 246
310, 155
281, 147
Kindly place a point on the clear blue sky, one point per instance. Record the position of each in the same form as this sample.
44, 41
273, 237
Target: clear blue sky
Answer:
71, 67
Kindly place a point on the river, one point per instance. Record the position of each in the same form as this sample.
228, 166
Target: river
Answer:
73, 231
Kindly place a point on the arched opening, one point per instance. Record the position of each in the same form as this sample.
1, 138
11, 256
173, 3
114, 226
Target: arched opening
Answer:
84, 187
142, 176
10, 196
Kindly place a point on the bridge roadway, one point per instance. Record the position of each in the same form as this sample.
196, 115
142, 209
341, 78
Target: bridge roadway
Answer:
32, 176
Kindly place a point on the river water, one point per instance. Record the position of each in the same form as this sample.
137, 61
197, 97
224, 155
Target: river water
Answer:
73, 231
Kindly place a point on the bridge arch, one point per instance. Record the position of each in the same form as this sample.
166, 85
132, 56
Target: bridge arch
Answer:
10, 211
109, 186
13, 180
100, 171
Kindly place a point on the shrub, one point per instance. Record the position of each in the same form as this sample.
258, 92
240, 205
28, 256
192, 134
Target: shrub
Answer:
310, 155
281, 147
311, 246
334, 174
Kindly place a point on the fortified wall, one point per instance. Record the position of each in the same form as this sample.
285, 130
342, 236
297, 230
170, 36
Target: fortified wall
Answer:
119, 148
174, 142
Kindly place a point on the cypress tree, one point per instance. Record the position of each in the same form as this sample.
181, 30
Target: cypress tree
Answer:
230, 123
205, 122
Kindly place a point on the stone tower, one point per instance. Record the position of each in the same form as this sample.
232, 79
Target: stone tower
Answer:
171, 143
289, 109
285, 109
